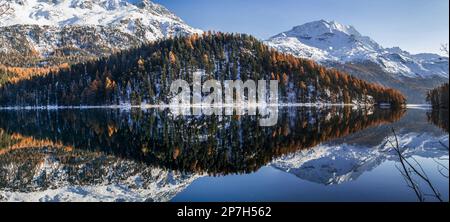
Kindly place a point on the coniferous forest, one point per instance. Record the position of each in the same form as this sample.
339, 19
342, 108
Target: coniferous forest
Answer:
143, 75
438, 97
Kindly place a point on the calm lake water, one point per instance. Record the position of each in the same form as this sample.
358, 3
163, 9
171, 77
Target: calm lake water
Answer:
312, 154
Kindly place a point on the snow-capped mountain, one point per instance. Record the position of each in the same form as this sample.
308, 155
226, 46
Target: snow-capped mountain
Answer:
329, 41
53, 28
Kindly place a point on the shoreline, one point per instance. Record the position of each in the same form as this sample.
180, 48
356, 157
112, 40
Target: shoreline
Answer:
129, 106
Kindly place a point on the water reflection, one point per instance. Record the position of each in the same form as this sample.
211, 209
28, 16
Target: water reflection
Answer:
151, 155
213, 145
439, 117
55, 174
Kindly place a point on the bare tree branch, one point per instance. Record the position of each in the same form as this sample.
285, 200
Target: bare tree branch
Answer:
411, 183
408, 170
405, 171
424, 176
444, 49
441, 168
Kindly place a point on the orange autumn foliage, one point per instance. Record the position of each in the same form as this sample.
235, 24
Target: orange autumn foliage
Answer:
24, 73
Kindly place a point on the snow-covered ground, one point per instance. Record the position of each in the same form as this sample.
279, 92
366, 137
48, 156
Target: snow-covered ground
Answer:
148, 106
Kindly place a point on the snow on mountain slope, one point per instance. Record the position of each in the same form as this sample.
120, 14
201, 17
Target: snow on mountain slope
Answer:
295, 47
73, 27
335, 164
330, 41
123, 14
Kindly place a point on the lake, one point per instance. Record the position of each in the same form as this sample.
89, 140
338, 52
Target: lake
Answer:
330, 153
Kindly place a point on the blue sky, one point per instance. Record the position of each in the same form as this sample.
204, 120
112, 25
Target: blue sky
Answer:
414, 25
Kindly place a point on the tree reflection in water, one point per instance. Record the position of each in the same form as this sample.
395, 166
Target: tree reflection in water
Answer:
439, 117
207, 144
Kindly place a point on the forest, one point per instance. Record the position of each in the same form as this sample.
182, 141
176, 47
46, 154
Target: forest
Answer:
438, 97
142, 75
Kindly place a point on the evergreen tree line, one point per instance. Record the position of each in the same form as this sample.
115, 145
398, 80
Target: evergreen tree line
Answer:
438, 97
143, 75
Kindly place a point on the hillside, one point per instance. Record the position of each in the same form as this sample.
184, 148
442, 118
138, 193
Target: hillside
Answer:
414, 89
48, 32
143, 75
343, 47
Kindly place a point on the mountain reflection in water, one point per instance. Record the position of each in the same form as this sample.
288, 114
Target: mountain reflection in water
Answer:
214, 145
150, 155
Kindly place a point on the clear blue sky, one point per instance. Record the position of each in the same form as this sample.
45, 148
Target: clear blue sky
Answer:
414, 25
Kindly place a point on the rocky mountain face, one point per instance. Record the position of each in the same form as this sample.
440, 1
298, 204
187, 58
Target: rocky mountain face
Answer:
52, 31
343, 47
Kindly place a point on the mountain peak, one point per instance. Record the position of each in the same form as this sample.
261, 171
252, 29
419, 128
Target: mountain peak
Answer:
154, 20
322, 28
337, 41
85, 12
44, 28
325, 40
